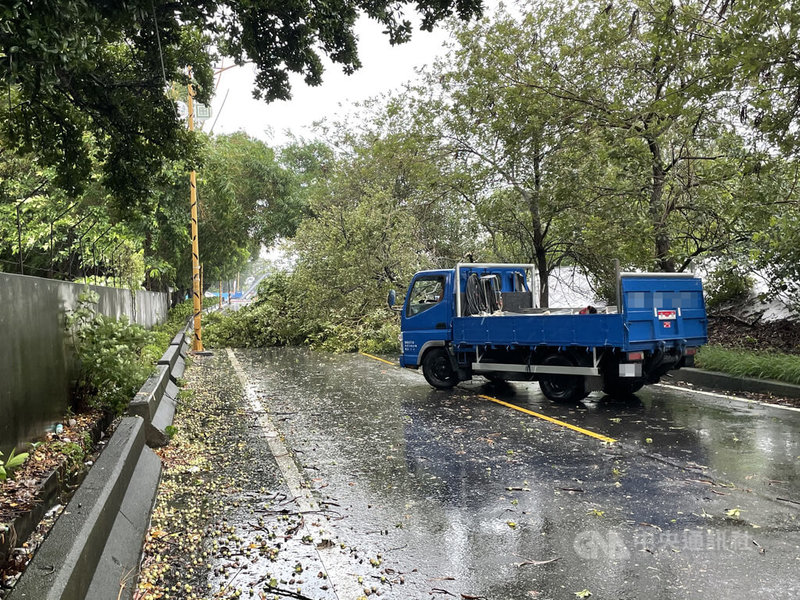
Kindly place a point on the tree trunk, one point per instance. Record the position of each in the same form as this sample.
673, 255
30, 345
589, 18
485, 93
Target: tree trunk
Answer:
539, 248
544, 275
658, 214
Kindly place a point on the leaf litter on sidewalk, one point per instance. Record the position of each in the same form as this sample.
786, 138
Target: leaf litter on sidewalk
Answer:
224, 524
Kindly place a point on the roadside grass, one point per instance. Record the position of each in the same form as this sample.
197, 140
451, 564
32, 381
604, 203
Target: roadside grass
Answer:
750, 363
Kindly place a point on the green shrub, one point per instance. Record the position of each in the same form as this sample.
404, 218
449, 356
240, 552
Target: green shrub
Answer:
747, 363
726, 283
113, 363
74, 452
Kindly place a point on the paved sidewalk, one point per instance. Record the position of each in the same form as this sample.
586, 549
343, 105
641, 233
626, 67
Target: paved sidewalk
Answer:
225, 524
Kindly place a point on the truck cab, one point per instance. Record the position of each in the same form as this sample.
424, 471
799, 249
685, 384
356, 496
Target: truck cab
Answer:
426, 320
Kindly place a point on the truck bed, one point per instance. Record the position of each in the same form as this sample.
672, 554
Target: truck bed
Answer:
659, 311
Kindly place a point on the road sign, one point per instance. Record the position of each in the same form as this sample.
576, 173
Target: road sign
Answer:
201, 112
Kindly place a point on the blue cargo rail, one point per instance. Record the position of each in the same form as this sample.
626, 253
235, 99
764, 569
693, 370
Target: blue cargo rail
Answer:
494, 327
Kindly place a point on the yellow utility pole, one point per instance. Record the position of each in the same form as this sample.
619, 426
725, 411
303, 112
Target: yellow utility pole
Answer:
197, 342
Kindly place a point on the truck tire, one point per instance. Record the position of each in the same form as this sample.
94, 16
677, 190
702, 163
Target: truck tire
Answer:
562, 388
622, 387
438, 370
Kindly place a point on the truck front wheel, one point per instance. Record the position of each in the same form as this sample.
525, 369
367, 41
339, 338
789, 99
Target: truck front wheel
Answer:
562, 388
438, 370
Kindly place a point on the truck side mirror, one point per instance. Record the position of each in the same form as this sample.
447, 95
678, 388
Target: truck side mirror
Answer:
391, 299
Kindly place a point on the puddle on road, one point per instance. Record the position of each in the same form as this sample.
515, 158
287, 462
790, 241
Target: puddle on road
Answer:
465, 497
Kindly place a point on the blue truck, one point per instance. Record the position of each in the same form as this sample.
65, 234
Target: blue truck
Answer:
484, 319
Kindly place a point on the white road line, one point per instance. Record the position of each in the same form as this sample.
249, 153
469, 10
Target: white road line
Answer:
726, 397
340, 571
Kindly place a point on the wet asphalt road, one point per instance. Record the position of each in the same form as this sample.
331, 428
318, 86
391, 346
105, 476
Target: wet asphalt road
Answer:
461, 497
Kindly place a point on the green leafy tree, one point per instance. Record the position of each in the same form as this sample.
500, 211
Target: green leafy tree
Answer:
376, 212
87, 77
524, 159
648, 74
246, 201
757, 49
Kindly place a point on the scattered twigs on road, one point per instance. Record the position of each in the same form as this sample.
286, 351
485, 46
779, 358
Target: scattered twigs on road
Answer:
285, 593
535, 563
221, 592
787, 500
334, 514
124, 582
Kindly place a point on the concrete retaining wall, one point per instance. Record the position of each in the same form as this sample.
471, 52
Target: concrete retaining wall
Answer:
36, 365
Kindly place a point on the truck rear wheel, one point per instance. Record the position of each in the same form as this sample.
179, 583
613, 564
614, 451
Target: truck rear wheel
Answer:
622, 387
562, 388
438, 370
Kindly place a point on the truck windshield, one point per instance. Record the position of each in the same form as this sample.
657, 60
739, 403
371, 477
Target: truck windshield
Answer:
427, 291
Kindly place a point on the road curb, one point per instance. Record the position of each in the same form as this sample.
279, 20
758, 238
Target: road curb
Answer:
94, 548
715, 380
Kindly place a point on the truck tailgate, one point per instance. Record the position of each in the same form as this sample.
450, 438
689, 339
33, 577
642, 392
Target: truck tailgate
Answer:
663, 311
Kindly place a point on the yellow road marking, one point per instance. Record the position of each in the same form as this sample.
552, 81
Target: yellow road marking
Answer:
376, 358
598, 436
551, 420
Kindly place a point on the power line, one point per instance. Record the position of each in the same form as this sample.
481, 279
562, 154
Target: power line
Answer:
161, 55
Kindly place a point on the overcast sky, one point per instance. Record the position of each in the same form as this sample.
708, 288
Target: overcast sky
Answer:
384, 68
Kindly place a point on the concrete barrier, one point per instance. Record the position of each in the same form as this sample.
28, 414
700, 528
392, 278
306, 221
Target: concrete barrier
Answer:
96, 543
94, 548
156, 401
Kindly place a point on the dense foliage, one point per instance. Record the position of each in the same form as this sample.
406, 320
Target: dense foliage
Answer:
86, 80
115, 355
282, 315
111, 354
94, 158
663, 135
246, 198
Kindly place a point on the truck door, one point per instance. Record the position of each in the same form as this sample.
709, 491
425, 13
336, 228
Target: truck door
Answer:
427, 316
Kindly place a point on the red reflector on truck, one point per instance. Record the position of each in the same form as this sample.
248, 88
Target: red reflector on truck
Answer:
691, 351
635, 355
